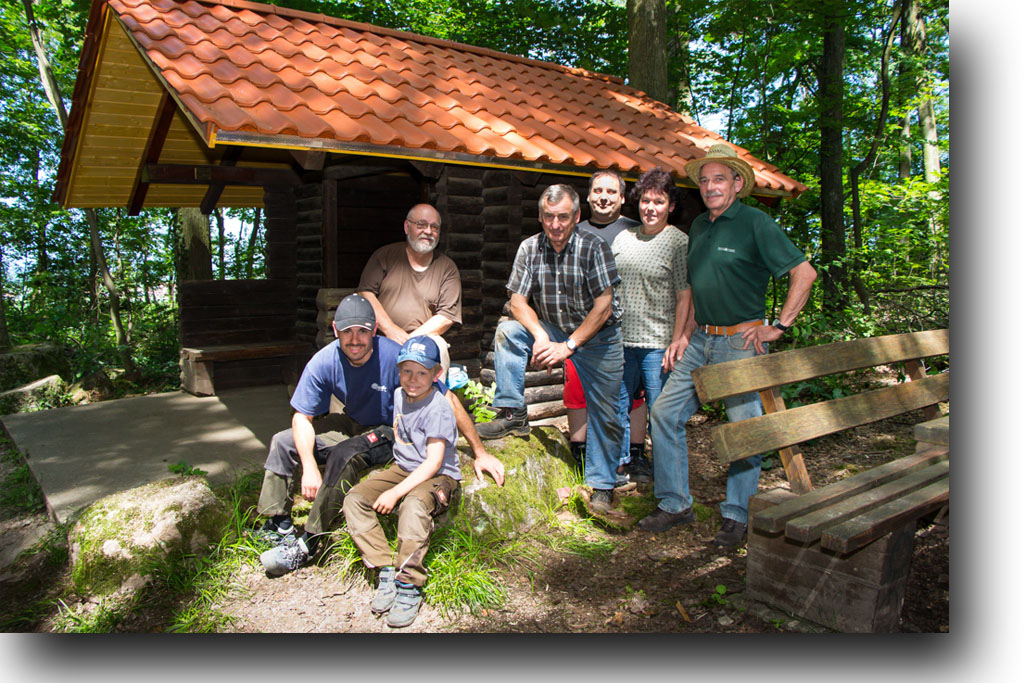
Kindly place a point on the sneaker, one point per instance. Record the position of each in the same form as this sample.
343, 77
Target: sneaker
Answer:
285, 558
386, 591
731, 534
406, 606
601, 500
275, 534
507, 421
639, 469
661, 520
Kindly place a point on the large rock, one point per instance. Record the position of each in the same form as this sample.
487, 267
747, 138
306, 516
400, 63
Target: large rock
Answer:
119, 539
29, 362
535, 469
48, 392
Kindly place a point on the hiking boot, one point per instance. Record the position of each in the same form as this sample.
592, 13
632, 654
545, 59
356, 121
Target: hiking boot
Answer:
639, 470
731, 534
662, 520
386, 591
621, 478
406, 605
601, 500
285, 558
507, 421
274, 534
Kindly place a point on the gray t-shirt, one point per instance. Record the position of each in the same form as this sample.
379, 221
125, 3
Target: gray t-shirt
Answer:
428, 418
610, 231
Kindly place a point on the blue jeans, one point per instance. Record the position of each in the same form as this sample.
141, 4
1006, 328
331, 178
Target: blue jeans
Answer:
643, 367
677, 402
599, 366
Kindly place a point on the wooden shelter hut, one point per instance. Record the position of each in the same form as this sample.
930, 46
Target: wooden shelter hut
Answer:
335, 128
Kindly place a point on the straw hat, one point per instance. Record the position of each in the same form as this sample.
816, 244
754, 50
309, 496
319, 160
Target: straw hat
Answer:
723, 154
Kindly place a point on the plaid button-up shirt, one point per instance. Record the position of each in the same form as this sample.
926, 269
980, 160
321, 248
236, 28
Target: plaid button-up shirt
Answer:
562, 286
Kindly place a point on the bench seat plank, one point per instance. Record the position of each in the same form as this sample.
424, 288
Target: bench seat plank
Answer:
933, 431
858, 531
808, 528
737, 440
714, 382
773, 520
243, 351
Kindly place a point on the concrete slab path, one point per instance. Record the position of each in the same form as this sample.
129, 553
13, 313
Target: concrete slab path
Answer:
80, 454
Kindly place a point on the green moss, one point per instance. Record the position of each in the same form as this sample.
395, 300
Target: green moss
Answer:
535, 468
702, 512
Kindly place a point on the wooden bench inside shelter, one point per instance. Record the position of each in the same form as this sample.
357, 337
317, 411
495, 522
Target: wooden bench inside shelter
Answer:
237, 333
838, 555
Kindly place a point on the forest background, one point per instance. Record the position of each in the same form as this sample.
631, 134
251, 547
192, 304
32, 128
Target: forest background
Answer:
851, 97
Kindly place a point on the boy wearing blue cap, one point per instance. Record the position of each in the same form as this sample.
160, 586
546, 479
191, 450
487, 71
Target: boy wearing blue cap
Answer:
422, 482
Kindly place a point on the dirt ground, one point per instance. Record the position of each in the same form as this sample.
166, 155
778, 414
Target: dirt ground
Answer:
656, 583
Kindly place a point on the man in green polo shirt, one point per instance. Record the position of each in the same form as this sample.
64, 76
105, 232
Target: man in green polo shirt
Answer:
734, 250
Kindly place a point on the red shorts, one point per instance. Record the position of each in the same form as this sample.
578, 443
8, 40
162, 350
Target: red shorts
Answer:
572, 392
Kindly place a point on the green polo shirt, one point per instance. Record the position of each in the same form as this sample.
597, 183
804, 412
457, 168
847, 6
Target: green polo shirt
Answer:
730, 260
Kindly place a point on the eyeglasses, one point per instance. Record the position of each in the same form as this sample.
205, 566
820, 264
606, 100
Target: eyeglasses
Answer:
423, 225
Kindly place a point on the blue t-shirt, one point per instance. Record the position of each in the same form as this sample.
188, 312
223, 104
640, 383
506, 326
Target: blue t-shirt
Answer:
367, 391
428, 418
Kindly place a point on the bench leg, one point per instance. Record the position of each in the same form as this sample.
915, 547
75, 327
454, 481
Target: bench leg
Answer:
792, 459
858, 593
197, 376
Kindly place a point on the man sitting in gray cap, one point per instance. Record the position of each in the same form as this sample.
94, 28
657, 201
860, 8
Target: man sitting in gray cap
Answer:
359, 368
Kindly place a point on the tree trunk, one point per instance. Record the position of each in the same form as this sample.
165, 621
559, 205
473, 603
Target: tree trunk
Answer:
193, 248
869, 160
5, 340
250, 252
830, 94
220, 243
49, 82
648, 61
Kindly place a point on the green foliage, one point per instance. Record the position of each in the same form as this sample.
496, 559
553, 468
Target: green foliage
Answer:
481, 398
19, 491
183, 469
717, 597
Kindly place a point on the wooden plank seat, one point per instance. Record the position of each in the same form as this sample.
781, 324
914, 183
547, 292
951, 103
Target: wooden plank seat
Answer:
204, 369
838, 555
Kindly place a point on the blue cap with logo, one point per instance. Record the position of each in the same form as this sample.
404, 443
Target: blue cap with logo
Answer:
420, 349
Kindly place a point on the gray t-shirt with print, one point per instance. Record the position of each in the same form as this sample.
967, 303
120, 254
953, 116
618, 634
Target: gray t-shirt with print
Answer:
430, 417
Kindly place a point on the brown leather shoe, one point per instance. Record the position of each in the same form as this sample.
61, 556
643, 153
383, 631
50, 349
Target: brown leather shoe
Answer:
731, 534
660, 520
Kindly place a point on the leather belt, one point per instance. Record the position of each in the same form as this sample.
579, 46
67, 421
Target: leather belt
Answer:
729, 330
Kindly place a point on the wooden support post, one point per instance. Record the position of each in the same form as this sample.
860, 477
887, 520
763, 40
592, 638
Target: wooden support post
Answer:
916, 370
792, 459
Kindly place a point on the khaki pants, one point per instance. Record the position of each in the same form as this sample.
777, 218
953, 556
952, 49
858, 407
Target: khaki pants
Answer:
416, 513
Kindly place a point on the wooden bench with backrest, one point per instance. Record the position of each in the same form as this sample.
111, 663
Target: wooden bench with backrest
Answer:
838, 555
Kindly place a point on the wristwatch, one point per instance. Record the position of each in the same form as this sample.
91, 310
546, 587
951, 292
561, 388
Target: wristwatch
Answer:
570, 343
777, 324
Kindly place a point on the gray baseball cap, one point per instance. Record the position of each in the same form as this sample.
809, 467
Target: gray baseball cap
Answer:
354, 311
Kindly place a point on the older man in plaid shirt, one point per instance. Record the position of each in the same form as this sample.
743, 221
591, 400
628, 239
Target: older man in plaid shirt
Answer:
564, 304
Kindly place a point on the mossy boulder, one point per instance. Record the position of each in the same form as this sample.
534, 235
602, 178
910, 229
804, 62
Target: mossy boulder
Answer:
29, 362
119, 540
48, 392
535, 469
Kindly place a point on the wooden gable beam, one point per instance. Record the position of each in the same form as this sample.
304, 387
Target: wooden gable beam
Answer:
154, 145
185, 174
213, 193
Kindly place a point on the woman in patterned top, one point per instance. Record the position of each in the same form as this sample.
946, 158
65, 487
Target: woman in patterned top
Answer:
654, 291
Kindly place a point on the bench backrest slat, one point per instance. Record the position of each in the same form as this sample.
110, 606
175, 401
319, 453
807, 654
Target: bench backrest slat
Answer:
719, 381
767, 433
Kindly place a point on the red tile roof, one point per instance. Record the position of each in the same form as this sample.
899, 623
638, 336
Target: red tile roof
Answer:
266, 75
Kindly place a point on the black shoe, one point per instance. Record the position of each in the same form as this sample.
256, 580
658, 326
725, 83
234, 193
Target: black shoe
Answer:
661, 520
601, 500
731, 533
507, 421
579, 452
639, 470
